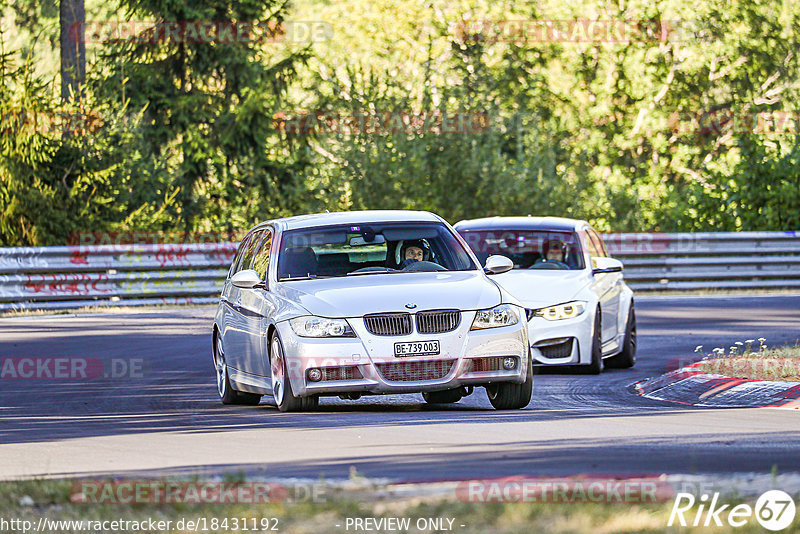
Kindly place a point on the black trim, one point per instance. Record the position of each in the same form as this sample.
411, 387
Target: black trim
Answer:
243, 311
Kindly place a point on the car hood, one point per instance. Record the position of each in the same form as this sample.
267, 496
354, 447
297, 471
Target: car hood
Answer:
356, 296
537, 289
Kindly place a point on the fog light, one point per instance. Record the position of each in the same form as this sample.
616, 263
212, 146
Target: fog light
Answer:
509, 363
314, 375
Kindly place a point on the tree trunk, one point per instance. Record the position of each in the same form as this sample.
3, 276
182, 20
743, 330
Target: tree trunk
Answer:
73, 49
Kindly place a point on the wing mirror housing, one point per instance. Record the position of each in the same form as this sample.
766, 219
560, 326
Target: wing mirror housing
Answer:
497, 264
606, 265
248, 279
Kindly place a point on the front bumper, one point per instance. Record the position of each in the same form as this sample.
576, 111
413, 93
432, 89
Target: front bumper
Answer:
564, 342
366, 363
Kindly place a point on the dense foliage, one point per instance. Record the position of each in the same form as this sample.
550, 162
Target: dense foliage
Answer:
671, 116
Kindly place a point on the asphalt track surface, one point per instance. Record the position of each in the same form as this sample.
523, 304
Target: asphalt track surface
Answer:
167, 420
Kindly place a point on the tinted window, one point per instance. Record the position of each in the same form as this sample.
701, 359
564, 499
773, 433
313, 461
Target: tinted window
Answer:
528, 249
261, 260
601, 244
237, 260
363, 249
249, 251
594, 244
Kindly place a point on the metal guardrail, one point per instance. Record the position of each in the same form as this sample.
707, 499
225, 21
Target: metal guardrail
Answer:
192, 273
71, 277
708, 260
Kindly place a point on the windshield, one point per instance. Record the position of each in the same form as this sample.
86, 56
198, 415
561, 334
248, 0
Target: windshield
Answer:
351, 250
528, 249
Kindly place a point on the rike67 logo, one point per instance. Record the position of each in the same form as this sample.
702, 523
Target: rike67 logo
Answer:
774, 510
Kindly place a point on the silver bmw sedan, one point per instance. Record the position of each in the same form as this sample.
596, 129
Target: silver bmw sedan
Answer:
373, 302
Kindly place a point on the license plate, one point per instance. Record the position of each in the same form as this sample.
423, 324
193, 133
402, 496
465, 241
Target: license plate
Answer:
416, 348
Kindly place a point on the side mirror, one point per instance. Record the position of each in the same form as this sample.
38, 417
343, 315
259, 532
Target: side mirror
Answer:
247, 279
497, 264
606, 265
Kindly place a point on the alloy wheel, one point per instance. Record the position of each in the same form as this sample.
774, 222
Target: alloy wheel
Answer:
221, 367
278, 370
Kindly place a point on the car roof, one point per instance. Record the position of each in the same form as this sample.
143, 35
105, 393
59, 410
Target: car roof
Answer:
352, 217
522, 223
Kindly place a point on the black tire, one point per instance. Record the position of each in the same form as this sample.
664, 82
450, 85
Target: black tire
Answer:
283, 395
511, 396
227, 394
596, 365
627, 358
448, 396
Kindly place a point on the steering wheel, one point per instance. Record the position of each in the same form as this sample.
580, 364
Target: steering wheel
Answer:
550, 265
424, 266
374, 268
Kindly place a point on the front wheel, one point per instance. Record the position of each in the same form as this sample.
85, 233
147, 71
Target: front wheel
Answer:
627, 358
511, 396
227, 394
282, 386
596, 365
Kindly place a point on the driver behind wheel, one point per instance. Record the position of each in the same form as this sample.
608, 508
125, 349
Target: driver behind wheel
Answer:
555, 251
413, 251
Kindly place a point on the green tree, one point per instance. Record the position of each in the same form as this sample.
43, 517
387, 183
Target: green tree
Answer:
53, 186
208, 110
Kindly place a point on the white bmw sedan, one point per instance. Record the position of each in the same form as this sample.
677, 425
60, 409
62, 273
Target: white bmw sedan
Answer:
579, 309
372, 302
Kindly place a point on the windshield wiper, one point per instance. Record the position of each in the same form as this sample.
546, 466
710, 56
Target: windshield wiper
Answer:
309, 277
381, 271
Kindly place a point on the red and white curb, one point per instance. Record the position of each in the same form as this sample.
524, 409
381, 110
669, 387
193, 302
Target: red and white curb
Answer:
691, 386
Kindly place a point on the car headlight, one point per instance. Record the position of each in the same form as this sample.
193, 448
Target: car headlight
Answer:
503, 315
310, 326
568, 310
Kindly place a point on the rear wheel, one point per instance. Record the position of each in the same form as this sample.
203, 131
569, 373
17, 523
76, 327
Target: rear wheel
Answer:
282, 386
511, 396
227, 394
627, 358
447, 396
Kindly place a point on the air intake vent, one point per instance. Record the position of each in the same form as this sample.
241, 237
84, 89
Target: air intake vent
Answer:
341, 373
483, 365
415, 371
438, 322
559, 350
388, 324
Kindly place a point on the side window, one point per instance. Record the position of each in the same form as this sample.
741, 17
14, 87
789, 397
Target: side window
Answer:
602, 244
237, 260
599, 245
591, 246
250, 251
261, 260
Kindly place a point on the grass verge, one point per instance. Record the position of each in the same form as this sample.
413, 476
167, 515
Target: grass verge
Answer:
781, 363
53, 499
